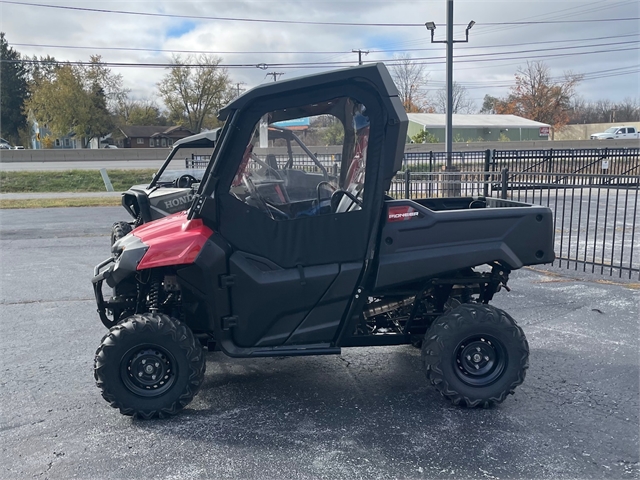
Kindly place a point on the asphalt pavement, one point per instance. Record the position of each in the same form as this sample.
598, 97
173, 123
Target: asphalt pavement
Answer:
368, 413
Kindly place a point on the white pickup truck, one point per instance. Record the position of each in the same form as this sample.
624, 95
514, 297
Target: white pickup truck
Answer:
617, 133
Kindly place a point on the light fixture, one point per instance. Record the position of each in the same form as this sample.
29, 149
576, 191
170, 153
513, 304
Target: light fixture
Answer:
471, 24
431, 26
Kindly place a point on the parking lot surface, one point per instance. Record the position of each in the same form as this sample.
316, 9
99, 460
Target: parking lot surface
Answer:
368, 413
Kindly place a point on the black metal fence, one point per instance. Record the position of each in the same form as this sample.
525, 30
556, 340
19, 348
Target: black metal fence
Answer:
535, 163
594, 161
197, 161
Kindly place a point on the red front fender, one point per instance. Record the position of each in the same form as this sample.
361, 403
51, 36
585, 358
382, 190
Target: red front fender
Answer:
172, 240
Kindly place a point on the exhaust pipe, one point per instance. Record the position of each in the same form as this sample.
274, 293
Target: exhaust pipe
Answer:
380, 308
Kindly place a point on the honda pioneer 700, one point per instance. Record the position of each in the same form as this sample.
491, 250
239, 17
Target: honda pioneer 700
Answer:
272, 260
172, 187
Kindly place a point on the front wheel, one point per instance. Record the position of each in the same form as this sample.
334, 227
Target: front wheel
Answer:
475, 355
119, 230
149, 365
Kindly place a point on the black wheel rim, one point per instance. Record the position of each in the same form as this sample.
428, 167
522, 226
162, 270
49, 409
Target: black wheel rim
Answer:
148, 370
480, 360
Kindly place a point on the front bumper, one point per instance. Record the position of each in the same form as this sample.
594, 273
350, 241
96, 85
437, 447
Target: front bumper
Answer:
127, 253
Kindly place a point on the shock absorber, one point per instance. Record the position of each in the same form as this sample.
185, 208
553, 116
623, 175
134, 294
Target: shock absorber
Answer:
154, 293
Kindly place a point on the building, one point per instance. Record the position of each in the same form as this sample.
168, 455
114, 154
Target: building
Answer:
478, 128
141, 136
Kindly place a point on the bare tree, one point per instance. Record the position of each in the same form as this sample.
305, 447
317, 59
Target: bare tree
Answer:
605, 111
194, 94
411, 81
461, 101
628, 110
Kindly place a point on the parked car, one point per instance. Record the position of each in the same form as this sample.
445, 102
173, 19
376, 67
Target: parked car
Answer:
273, 261
616, 133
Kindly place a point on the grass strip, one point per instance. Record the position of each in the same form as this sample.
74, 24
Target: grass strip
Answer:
61, 202
71, 180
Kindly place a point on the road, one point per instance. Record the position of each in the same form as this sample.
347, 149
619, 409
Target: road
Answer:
87, 165
366, 414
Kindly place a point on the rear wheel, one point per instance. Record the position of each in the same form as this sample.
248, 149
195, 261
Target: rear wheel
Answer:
475, 355
149, 366
119, 230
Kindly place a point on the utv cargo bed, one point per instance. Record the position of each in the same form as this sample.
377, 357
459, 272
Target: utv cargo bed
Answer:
431, 237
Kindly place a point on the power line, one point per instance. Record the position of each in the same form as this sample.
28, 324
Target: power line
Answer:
293, 52
474, 57
302, 22
419, 61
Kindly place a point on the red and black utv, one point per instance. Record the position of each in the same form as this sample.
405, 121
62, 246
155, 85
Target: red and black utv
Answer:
272, 260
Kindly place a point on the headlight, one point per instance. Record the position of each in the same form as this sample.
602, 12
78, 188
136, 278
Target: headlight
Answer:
127, 252
120, 245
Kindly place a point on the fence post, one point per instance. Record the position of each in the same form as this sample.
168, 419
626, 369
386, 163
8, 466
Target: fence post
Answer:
505, 180
487, 165
407, 183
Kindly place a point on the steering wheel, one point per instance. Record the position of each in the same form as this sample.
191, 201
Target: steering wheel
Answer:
185, 181
271, 210
336, 198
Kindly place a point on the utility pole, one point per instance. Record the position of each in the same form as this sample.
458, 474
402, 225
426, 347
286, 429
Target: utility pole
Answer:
275, 75
238, 88
360, 52
264, 124
431, 26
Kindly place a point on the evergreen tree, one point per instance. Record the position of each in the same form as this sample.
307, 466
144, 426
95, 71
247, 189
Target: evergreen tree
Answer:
13, 92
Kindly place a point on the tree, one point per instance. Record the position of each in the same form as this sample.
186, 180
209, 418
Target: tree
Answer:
489, 104
424, 136
333, 134
461, 101
13, 92
494, 105
194, 95
43, 67
628, 110
411, 81
111, 84
537, 96
68, 99
139, 112
604, 111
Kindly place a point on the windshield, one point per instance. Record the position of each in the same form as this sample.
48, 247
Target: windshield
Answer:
284, 179
611, 130
183, 161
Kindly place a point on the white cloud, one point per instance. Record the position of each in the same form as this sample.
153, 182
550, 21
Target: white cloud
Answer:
45, 26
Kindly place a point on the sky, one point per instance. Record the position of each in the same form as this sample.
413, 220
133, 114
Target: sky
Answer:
599, 39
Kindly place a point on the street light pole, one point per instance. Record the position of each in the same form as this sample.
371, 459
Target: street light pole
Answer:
449, 134
431, 26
